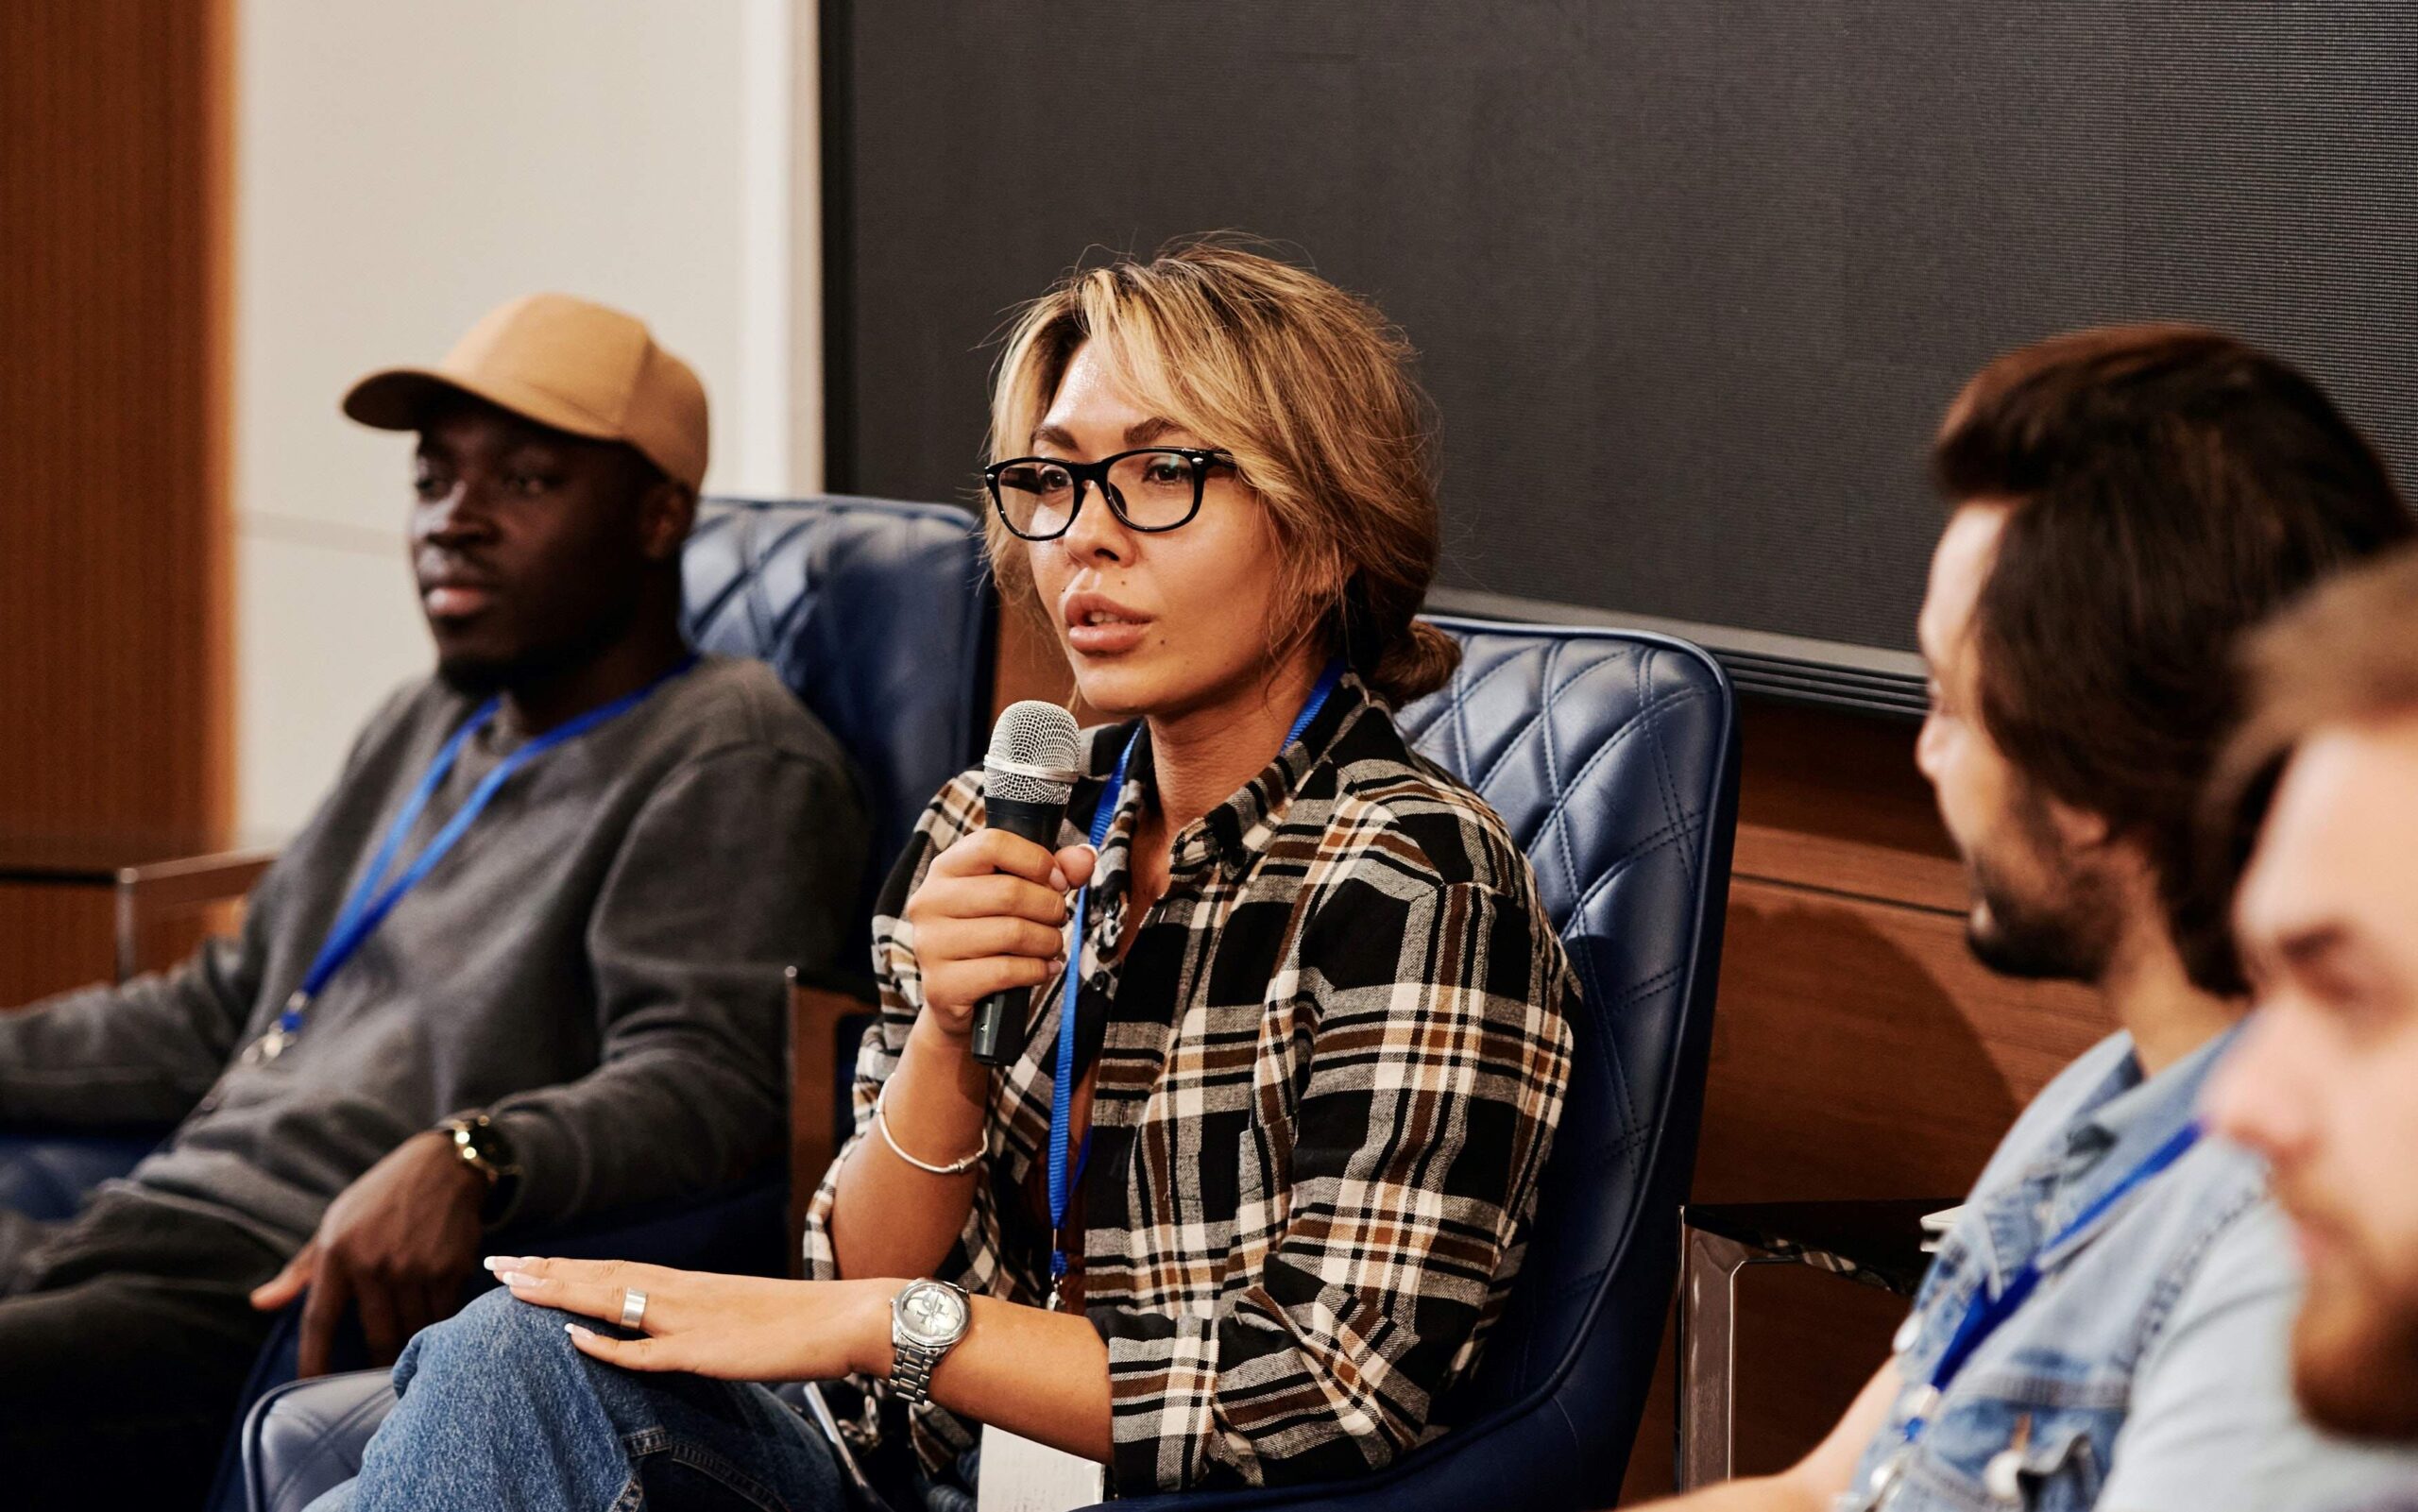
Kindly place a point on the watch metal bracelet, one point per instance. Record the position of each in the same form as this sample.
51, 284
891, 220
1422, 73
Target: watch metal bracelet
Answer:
910, 1371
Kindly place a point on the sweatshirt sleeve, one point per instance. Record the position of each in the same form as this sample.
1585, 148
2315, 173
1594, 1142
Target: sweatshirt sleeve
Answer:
741, 865
147, 1050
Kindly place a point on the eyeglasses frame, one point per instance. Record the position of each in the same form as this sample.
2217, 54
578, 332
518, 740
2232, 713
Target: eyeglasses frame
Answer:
1096, 473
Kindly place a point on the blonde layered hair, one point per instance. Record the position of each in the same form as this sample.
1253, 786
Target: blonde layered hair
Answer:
1308, 389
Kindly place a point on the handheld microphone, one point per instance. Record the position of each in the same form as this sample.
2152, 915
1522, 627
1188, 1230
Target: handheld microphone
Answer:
1027, 777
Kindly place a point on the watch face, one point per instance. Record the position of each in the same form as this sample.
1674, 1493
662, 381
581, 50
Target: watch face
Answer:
931, 1314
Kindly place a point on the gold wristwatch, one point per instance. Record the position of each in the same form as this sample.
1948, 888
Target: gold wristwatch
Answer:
483, 1148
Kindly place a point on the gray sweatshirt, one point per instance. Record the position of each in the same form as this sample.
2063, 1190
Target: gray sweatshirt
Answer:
597, 964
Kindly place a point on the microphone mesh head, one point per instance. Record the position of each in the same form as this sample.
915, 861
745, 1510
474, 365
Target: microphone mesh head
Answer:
1031, 734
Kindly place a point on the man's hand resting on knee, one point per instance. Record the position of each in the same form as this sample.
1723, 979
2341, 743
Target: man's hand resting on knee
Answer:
398, 1243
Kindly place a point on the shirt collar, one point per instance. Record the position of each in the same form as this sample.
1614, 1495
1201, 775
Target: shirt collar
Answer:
1231, 834
2119, 1126
2129, 1110
1238, 829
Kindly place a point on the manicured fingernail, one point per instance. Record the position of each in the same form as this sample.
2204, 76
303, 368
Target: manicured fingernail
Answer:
578, 1333
516, 1279
500, 1262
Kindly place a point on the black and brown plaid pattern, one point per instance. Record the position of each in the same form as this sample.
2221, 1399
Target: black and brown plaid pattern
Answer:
1329, 1069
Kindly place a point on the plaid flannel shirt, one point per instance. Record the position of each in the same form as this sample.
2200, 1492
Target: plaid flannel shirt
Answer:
1329, 1070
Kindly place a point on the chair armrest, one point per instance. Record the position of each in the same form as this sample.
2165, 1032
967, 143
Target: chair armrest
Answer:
818, 1005
157, 890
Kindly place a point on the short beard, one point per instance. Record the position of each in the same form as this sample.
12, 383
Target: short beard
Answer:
2355, 1354
2070, 934
481, 678
473, 677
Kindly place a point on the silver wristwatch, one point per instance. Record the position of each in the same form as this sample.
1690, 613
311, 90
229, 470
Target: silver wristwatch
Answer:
926, 1318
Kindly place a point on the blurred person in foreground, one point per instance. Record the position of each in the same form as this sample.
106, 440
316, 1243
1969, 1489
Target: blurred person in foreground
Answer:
2104, 1325
522, 965
2319, 800
1303, 1055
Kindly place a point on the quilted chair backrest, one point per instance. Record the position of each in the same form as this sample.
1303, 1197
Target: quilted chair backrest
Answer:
876, 614
1613, 757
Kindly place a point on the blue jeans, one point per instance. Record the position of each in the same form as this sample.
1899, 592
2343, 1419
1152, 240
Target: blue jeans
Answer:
499, 1411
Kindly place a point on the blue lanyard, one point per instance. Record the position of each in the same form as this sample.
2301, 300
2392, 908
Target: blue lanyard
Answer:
1062, 1092
373, 897
1988, 1310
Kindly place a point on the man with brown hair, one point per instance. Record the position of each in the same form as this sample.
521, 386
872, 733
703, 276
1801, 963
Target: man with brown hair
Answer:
2319, 798
2104, 1323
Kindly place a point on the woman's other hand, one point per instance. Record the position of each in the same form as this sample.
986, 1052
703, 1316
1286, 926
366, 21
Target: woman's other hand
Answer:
735, 1328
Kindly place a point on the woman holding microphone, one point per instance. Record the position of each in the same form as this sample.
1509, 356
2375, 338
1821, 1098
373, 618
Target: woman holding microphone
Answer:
1244, 1206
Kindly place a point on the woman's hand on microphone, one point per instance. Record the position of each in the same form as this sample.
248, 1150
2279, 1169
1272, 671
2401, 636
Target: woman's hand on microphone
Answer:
991, 915
988, 916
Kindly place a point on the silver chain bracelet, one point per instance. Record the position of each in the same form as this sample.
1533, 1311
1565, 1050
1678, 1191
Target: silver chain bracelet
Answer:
882, 1123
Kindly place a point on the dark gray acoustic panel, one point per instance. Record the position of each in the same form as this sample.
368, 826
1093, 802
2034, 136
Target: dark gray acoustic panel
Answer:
1692, 280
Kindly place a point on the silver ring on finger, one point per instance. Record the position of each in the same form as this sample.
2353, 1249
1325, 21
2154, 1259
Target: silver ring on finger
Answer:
633, 1308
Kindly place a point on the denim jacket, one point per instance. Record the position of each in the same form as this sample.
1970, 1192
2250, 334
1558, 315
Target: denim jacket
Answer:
2150, 1371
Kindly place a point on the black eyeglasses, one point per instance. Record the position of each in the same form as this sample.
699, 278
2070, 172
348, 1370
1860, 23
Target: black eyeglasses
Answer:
1155, 489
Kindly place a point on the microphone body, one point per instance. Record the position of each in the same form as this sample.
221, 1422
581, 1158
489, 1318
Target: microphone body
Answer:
1025, 782
998, 1019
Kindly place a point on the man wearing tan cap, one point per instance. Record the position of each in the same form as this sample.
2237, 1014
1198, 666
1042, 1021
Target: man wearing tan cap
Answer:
523, 965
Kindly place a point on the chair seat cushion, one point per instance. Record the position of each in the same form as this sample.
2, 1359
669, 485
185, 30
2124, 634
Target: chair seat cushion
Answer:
306, 1437
45, 1176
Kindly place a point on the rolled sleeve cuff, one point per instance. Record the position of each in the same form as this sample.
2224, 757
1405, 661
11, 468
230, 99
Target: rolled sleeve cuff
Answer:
1161, 1394
821, 1261
896, 965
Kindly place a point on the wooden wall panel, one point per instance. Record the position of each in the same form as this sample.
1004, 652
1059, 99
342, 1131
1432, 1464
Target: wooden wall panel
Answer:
51, 938
114, 683
1030, 664
1858, 1051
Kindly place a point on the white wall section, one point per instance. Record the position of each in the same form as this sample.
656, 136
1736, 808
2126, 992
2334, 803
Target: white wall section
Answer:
401, 169
765, 178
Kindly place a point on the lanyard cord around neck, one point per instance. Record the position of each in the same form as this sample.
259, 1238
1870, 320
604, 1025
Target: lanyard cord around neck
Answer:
1062, 1170
1987, 1310
373, 897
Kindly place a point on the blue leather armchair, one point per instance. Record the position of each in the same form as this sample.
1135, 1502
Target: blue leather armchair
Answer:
1613, 756
45, 1176
878, 615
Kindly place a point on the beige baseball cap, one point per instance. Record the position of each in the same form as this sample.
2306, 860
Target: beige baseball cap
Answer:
565, 362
